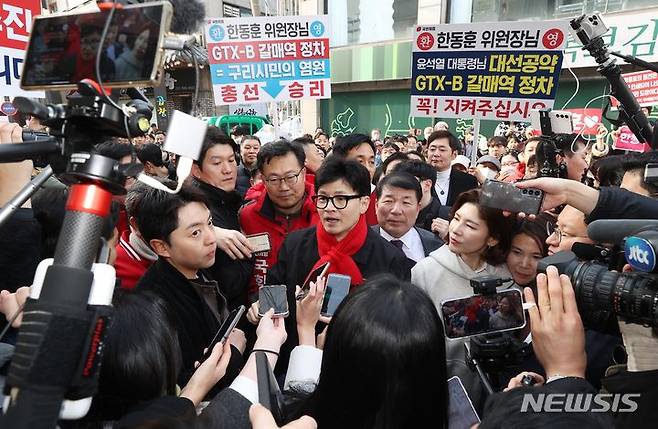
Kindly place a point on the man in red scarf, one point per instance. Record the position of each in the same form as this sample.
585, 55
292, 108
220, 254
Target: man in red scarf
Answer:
342, 238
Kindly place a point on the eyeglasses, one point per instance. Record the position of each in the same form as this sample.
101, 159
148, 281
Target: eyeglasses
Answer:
554, 230
338, 201
290, 179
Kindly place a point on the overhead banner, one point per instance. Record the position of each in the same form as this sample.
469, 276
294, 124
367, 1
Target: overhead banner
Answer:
263, 59
498, 71
15, 27
644, 86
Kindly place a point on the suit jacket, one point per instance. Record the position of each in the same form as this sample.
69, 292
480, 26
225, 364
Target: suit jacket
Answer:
429, 241
431, 212
459, 182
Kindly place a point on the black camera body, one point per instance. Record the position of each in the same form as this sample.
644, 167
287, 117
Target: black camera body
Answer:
602, 293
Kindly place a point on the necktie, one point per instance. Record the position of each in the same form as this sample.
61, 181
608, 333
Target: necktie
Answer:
397, 243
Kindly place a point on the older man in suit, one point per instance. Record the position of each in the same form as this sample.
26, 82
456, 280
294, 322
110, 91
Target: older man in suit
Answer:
398, 204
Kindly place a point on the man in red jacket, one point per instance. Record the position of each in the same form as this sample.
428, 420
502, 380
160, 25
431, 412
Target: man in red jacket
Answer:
283, 206
134, 256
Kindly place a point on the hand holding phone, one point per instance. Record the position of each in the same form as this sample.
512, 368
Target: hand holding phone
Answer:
506, 196
224, 331
275, 297
338, 286
313, 276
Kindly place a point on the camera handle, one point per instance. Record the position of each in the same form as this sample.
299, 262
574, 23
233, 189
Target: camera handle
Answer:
474, 364
58, 350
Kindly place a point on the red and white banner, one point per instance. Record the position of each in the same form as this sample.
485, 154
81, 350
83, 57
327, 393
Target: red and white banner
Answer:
628, 141
586, 121
644, 86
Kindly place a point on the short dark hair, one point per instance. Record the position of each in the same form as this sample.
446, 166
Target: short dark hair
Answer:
535, 229
444, 134
390, 144
346, 143
277, 149
303, 141
215, 136
336, 168
500, 226
573, 140
400, 156
320, 133
400, 180
497, 141
636, 164
150, 152
415, 152
136, 194
419, 169
157, 216
154, 355
113, 148
608, 170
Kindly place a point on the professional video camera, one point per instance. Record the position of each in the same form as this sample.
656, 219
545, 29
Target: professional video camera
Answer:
55, 368
600, 293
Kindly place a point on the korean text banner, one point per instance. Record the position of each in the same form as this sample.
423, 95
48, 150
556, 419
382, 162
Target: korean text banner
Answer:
497, 71
15, 27
261, 59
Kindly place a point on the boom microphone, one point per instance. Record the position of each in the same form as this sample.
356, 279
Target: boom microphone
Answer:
614, 230
188, 14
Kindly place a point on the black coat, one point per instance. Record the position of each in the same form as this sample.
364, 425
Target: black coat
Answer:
298, 255
432, 211
195, 322
617, 203
243, 183
459, 182
231, 275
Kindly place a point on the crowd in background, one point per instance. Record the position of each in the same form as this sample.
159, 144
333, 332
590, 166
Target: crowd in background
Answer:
401, 215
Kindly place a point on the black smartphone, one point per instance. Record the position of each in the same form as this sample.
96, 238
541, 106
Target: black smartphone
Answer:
483, 314
224, 331
269, 394
338, 286
62, 49
313, 276
506, 196
274, 296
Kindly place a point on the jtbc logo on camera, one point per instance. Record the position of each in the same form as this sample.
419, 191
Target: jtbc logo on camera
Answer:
640, 254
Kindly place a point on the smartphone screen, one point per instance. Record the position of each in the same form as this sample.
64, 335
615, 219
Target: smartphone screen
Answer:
461, 411
483, 314
273, 297
62, 49
338, 286
225, 330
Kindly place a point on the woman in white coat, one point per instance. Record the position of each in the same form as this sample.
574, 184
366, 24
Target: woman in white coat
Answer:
479, 239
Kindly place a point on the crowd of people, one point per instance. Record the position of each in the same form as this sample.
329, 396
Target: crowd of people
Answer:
400, 215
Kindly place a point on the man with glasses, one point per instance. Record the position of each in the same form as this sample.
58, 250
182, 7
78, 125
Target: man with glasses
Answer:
342, 238
570, 229
282, 204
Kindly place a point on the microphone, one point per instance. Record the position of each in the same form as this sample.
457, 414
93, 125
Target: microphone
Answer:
188, 14
615, 230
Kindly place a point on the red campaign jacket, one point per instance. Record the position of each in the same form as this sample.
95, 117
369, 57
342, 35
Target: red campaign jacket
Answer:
258, 216
129, 265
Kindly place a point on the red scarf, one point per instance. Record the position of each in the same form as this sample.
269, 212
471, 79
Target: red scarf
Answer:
339, 253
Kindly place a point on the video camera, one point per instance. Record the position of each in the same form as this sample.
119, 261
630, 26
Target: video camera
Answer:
601, 293
56, 364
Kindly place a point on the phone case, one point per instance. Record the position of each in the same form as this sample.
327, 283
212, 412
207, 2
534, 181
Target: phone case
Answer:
506, 196
275, 297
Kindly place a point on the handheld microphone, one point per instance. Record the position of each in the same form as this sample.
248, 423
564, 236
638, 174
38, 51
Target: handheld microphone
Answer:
615, 230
